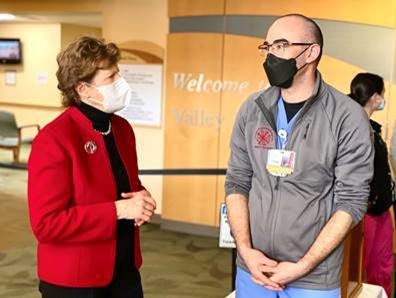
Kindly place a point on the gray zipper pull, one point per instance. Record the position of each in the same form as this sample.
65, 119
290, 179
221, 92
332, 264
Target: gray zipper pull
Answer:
306, 131
277, 183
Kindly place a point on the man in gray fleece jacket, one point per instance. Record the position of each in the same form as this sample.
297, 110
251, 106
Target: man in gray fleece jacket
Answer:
299, 171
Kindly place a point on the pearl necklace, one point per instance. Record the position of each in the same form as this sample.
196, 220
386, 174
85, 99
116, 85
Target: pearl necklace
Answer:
107, 132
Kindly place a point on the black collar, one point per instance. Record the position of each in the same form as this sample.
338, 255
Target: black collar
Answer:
100, 120
376, 126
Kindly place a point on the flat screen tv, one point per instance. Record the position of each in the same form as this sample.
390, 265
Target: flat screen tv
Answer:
10, 51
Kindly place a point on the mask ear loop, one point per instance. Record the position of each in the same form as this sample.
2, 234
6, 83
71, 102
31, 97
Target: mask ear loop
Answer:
90, 85
93, 101
300, 55
380, 97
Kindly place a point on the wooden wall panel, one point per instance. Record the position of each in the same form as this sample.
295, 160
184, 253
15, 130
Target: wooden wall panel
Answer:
177, 8
191, 114
242, 64
191, 125
190, 199
380, 13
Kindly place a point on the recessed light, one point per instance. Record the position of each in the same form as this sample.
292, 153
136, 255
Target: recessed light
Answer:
6, 17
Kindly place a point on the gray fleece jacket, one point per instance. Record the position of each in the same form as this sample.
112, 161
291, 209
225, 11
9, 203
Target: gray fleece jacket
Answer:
333, 170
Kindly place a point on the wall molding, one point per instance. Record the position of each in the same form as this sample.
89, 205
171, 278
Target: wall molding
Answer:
32, 106
187, 228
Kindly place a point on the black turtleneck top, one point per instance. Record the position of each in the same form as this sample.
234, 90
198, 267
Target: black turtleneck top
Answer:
125, 228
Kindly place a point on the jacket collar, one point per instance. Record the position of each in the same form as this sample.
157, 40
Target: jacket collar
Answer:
270, 96
376, 126
82, 119
267, 100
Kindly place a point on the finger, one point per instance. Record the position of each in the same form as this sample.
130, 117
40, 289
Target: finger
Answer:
266, 281
144, 217
268, 269
259, 282
259, 278
151, 201
139, 223
273, 289
273, 286
140, 195
132, 194
148, 207
148, 213
278, 278
127, 194
267, 261
267, 285
145, 192
139, 220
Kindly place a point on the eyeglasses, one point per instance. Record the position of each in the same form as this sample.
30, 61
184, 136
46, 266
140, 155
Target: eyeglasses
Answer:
278, 46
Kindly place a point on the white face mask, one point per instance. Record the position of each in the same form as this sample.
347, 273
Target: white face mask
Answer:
116, 95
381, 106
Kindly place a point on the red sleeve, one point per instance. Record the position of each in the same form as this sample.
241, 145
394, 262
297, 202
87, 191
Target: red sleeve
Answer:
52, 217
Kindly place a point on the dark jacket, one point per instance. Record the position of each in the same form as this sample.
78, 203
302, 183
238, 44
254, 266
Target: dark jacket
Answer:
379, 200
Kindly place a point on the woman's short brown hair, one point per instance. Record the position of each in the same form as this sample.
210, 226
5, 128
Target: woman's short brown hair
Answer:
79, 61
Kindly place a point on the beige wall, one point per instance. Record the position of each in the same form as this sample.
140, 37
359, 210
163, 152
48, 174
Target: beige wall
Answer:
51, 6
123, 21
40, 42
70, 32
32, 102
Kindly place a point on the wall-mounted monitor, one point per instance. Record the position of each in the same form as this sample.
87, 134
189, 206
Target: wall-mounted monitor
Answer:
10, 51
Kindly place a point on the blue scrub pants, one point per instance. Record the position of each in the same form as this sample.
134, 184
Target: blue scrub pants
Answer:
246, 288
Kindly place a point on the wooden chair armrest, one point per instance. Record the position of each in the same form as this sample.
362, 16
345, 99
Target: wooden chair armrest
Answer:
25, 126
29, 125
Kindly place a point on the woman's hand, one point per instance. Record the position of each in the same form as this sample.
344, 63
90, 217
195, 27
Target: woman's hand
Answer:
138, 206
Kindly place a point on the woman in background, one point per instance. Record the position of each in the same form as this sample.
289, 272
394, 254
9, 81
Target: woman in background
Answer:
368, 90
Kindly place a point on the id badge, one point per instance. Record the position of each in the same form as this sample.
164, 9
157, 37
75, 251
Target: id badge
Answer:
280, 162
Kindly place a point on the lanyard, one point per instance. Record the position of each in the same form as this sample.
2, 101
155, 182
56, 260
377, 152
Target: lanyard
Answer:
283, 127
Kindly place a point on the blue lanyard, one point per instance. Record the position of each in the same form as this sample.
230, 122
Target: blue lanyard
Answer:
283, 127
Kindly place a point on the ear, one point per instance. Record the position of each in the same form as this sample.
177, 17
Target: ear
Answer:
82, 90
373, 101
314, 53
377, 98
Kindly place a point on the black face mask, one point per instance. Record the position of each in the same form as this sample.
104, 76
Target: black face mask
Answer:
280, 72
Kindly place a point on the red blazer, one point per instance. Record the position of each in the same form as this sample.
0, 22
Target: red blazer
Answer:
71, 195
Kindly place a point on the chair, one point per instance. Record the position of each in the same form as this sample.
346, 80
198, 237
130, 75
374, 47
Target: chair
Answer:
352, 269
11, 134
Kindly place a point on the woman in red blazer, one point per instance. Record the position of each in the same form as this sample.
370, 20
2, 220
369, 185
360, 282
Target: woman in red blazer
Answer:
86, 201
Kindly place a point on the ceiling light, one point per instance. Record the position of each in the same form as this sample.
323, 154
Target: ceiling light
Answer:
6, 17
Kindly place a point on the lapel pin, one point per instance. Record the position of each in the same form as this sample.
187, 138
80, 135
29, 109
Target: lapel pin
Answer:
90, 147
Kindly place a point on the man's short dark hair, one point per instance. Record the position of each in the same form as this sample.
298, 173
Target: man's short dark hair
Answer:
315, 30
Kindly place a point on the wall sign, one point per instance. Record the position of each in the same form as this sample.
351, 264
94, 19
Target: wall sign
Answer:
225, 240
145, 81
